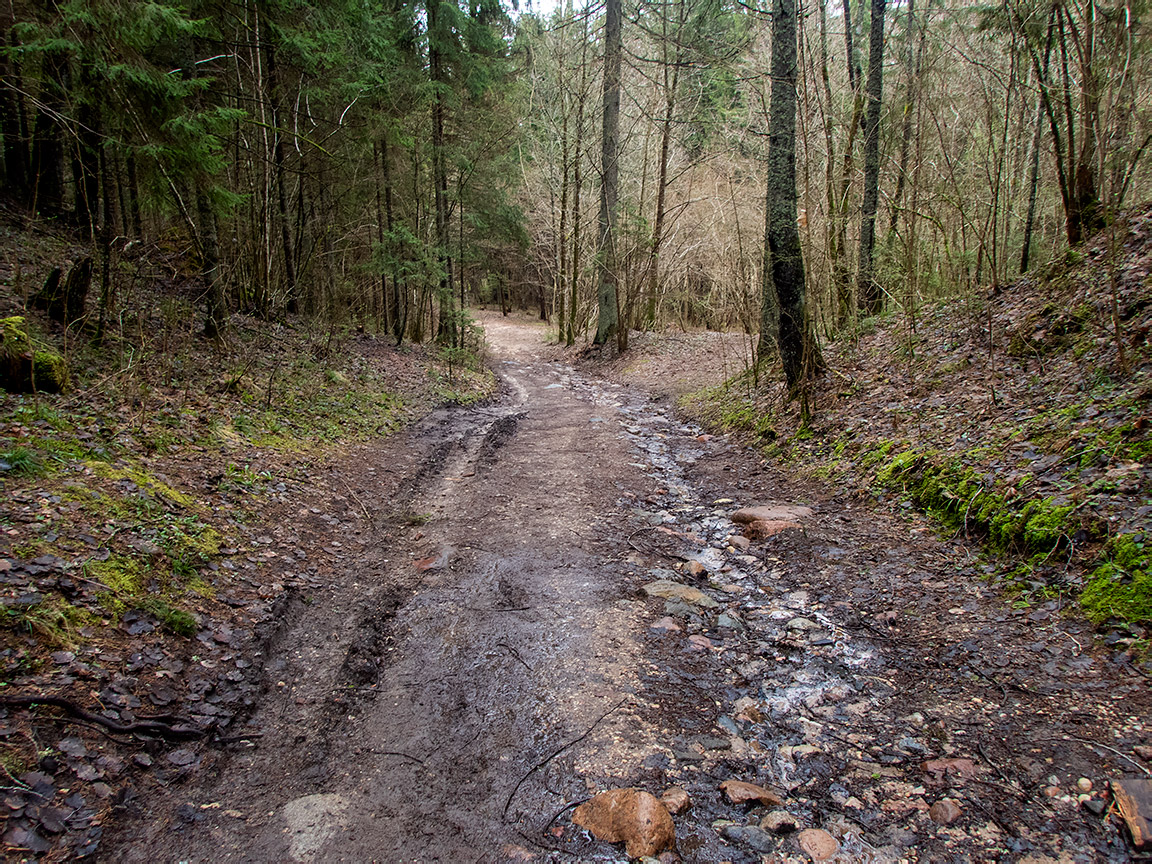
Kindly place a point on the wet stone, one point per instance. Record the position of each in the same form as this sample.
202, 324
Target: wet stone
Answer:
751, 836
818, 844
945, 811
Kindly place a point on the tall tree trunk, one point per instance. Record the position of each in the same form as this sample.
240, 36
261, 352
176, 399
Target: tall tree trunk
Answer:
47, 193
216, 313
867, 289
913, 69
86, 153
106, 238
671, 74
446, 329
783, 262
578, 183
608, 318
841, 275
16, 164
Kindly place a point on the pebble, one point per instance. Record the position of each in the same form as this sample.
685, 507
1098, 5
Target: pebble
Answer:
677, 800
751, 836
945, 811
820, 845
1084, 784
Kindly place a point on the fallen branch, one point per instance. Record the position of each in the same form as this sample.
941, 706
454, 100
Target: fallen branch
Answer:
542, 763
145, 726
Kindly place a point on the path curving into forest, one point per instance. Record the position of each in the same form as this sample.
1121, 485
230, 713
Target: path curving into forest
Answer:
494, 659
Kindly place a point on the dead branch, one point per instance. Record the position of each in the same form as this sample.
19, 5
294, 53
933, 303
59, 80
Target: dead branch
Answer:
556, 753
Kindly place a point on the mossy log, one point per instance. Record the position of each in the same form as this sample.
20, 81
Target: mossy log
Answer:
24, 368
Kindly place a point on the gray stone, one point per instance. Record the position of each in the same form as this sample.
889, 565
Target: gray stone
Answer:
752, 836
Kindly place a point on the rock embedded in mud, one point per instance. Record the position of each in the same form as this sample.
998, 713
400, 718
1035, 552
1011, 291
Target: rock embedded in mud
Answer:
670, 590
741, 792
762, 529
739, 542
629, 816
752, 836
818, 844
676, 800
945, 811
771, 513
779, 822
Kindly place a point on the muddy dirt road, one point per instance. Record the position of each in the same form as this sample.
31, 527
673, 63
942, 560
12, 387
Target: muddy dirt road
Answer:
495, 659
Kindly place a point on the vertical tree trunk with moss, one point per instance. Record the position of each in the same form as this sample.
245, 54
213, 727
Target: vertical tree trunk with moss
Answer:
783, 281
608, 317
867, 289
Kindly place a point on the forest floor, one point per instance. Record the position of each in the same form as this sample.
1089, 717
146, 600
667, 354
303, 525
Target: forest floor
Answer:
433, 644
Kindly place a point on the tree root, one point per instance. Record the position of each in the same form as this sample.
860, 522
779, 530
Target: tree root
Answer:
146, 726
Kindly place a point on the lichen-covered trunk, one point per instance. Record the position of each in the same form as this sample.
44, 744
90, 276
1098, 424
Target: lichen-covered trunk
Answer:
783, 281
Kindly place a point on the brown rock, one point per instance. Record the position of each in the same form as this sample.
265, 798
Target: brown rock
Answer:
1143, 751
667, 623
696, 569
772, 513
677, 800
739, 792
820, 845
670, 590
629, 816
739, 542
762, 529
945, 811
956, 767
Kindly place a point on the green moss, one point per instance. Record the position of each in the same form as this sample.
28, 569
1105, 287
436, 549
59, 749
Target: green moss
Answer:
145, 481
24, 363
50, 371
1121, 585
171, 618
959, 496
122, 576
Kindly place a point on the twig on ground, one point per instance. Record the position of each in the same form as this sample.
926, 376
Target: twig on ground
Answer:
356, 498
1119, 753
514, 653
557, 752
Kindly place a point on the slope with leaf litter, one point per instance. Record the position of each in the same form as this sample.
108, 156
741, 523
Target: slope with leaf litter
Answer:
1022, 417
157, 515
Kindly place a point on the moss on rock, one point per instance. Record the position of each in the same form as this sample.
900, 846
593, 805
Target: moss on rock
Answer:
24, 367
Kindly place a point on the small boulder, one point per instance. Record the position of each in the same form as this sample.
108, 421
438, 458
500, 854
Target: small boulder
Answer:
670, 590
629, 816
740, 792
676, 800
762, 529
696, 570
751, 836
771, 513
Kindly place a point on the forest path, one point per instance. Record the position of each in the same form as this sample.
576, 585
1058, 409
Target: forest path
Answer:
411, 707
493, 660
